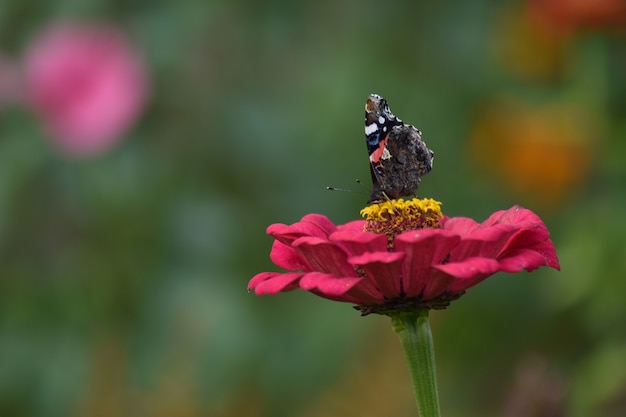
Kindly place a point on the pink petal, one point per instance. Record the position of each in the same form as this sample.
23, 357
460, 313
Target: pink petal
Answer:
286, 257
521, 259
355, 226
547, 251
273, 282
485, 242
315, 225
330, 286
526, 238
533, 235
516, 215
359, 242
469, 272
496, 217
324, 256
523, 220
423, 248
288, 233
320, 221
438, 284
470, 268
383, 270
460, 225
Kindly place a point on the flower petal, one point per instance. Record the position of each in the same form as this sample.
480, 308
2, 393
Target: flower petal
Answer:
423, 249
483, 242
286, 257
383, 269
355, 226
516, 215
460, 225
531, 231
320, 221
499, 217
548, 252
531, 228
324, 256
274, 282
330, 286
469, 272
359, 242
470, 268
528, 259
310, 225
438, 284
532, 234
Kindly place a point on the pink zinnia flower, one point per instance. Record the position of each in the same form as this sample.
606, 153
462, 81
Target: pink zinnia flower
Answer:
87, 84
406, 256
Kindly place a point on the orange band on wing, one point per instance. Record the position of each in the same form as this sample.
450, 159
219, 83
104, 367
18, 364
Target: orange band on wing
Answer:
378, 153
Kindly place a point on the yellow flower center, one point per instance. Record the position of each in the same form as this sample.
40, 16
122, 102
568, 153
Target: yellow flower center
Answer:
393, 217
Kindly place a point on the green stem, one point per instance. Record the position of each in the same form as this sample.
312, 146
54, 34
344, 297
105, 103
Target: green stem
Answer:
417, 341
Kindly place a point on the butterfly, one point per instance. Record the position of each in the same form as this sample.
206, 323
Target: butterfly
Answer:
398, 156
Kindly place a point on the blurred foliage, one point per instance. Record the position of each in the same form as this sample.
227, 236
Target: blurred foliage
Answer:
122, 278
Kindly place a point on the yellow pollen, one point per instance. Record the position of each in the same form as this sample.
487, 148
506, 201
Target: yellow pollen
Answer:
393, 217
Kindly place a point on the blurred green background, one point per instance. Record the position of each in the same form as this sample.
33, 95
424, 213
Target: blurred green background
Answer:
123, 277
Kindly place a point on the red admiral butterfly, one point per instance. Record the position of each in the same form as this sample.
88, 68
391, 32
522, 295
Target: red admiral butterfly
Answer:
398, 156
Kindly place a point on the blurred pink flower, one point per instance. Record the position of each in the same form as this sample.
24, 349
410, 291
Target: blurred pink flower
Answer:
87, 84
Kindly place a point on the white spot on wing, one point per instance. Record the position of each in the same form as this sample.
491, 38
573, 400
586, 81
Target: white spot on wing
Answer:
381, 120
371, 129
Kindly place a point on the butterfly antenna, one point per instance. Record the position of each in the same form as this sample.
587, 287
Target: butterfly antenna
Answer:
345, 190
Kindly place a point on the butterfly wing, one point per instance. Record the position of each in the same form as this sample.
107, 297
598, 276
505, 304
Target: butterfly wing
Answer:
398, 157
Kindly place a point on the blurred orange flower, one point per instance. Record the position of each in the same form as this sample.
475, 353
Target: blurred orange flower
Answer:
543, 153
534, 41
566, 16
